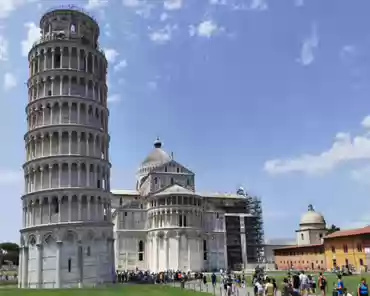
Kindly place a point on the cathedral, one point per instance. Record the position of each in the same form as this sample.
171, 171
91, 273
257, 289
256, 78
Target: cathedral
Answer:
165, 224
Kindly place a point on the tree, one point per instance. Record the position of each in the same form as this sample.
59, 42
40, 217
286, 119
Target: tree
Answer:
9, 252
333, 228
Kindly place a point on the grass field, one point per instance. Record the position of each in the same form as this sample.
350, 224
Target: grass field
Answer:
129, 290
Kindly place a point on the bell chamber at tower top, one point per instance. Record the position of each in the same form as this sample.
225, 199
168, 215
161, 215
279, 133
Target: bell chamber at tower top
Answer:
69, 22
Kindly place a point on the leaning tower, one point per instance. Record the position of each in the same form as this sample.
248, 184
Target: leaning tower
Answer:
67, 233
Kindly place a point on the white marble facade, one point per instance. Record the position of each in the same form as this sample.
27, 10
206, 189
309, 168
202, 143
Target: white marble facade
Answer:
67, 232
165, 224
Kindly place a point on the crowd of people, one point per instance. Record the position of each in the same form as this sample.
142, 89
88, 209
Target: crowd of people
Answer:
300, 284
294, 284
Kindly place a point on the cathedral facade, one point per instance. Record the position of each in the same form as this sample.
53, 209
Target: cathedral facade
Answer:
166, 224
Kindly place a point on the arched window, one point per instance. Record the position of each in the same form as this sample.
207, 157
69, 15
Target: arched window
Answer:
56, 206
155, 180
302, 236
141, 250
73, 28
205, 250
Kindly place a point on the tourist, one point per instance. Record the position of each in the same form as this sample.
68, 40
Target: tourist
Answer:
340, 286
296, 283
322, 284
213, 279
287, 288
303, 279
345, 293
363, 289
269, 288
313, 284
258, 290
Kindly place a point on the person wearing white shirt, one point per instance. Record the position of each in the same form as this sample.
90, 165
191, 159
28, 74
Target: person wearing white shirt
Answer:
303, 278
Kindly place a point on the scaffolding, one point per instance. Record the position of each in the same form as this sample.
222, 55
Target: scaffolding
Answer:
254, 230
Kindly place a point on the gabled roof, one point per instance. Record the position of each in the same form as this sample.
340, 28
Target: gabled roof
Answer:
349, 232
174, 189
174, 162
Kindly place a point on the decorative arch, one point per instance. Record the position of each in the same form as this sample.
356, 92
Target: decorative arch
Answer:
70, 236
89, 235
48, 238
32, 240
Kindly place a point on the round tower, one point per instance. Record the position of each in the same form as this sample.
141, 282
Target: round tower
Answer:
67, 232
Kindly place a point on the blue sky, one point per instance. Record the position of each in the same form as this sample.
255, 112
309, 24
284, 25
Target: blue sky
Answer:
269, 95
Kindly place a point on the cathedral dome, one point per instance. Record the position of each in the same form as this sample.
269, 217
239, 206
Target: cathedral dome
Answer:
312, 217
157, 157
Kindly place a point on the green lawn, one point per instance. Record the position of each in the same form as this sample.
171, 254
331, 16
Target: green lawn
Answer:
129, 290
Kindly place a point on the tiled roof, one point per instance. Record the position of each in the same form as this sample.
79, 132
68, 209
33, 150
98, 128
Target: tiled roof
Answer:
124, 192
298, 247
349, 232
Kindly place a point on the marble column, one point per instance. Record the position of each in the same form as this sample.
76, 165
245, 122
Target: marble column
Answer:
188, 243
243, 242
157, 253
39, 266
178, 238
20, 265
58, 266
225, 251
167, 251
25, 268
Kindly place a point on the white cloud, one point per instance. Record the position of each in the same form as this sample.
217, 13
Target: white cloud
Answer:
131, 3
205, 29
142, 8
33, 34
107, 31
96, 4
218, 2
10, 81
172, 4
366, 122
8, 177
308, 47
4, 44
259, 5
8, 6
361, 175
111, 54
152, 85
347, 52
164, 16
163, 35
344, 149
115, 98
298, 3
121, 65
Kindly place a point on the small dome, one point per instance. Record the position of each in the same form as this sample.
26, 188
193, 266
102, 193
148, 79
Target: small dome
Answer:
312, 217
157, 157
